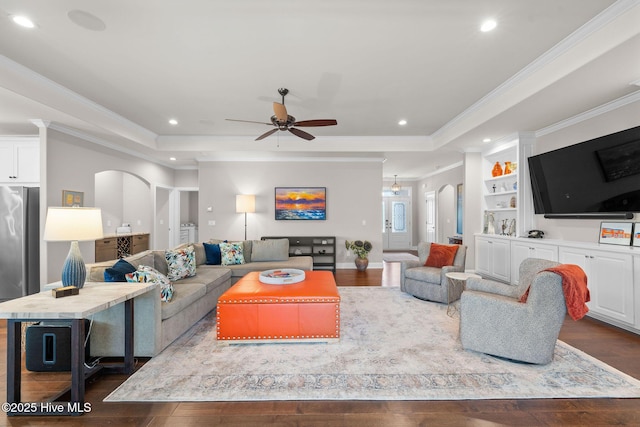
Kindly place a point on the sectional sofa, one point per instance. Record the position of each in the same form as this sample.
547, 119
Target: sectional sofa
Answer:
157, 323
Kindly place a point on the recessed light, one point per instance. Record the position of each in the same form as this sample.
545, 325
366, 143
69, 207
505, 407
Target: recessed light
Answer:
173, 159
488, 25
23, 21
173, 122
402, 122
486, 140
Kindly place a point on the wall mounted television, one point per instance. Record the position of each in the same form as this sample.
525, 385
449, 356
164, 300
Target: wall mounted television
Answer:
599, 178
301, 203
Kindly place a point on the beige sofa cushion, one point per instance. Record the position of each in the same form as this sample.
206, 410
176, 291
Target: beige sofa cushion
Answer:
270, 250
185, 295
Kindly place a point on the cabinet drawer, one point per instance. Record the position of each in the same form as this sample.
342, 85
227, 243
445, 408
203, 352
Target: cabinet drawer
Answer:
140, 243
110, 242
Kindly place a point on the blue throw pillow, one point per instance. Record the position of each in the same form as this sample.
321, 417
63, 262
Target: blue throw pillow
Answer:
212, 252
117, 272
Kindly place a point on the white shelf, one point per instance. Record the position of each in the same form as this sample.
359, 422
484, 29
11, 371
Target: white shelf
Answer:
501, 193
502, 209
502, 177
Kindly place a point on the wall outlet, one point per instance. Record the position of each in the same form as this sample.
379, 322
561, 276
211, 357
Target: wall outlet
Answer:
212, 222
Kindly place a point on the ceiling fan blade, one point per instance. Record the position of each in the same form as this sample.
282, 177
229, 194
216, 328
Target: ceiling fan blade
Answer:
302, 134
280, 111
266, 134
249, 121
319, 122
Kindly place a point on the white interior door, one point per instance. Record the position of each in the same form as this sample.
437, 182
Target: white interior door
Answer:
430, 198
396, 223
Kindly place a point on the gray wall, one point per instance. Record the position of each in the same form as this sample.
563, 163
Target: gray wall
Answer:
353, 201
71, 164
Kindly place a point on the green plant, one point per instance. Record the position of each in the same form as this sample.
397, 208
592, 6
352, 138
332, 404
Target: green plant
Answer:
359, 247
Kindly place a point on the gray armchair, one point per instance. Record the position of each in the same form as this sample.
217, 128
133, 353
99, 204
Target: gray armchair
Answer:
430, 283
493, 321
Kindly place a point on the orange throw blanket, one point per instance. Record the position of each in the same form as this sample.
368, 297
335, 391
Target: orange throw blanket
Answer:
574, 287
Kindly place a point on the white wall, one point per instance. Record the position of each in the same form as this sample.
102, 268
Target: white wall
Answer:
620, 119
71, 164
354, 201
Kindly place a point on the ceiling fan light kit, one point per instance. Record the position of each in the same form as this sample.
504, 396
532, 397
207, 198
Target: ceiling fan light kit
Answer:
281, 120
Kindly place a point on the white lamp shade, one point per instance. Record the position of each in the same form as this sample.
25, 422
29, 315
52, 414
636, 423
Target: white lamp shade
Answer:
245, 203
69, 224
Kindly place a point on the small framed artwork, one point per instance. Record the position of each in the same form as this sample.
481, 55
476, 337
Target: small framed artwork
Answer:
301, 203
616, 233
636, 234
72, 199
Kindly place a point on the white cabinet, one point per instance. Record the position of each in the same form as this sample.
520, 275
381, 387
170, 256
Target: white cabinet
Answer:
525, 248
493, 257
609, 278
19, 161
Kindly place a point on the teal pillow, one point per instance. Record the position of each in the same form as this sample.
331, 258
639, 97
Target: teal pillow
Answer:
118, 271
212, 252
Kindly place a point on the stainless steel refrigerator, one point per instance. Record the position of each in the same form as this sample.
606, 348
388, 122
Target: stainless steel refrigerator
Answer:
19, 241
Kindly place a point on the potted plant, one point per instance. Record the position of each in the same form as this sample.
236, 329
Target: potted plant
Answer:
361, 249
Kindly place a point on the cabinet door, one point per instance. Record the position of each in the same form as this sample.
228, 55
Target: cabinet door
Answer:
140, 243
501, 259
6, 163
545, 252
27, 157
483, 256
519, 252
612, 291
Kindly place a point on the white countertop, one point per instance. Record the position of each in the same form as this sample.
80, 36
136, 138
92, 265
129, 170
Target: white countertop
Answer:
93, 297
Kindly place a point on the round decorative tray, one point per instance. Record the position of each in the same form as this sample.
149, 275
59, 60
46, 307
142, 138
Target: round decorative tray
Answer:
284, 276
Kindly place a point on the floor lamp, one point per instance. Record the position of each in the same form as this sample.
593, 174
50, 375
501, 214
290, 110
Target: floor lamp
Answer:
245, 203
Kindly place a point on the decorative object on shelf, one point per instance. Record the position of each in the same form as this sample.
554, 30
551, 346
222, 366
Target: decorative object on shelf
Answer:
503, 226
616, 233
515, 185
72, 199
504, 188
494, 188
507, 168
245, 203
395, 187
485, 223
497, 170
512, 227
491, 226
74, 225
361, 249
304, 203
284, 276
512, 202
636, 234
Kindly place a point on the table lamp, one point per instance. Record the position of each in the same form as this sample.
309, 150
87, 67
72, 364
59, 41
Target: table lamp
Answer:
245, 203
74, 225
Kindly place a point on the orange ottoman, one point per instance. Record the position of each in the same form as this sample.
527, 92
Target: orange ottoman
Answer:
252, 311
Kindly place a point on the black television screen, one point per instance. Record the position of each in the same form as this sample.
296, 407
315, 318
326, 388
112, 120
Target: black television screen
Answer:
598, 176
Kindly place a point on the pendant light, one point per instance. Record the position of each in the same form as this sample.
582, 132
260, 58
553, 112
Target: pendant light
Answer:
395, 187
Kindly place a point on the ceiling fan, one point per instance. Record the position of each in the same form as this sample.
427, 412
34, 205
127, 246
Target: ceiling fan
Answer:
283, 121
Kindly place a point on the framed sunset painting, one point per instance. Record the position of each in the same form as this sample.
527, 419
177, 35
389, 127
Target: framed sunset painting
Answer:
301, 203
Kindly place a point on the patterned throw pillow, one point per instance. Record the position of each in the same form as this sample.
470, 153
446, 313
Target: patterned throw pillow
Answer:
181, 262
146, 274
231, 253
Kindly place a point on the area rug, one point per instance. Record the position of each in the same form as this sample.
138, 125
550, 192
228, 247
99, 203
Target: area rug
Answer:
398, 257
393, 347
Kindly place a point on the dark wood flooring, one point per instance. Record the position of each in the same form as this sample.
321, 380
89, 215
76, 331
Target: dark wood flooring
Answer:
614, 346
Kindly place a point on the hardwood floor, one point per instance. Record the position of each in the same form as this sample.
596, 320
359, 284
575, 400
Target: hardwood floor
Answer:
614, 346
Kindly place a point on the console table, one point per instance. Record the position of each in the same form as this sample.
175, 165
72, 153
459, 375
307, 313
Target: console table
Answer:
93, 297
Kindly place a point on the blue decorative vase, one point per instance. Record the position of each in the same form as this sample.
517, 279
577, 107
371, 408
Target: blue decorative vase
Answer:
74, 272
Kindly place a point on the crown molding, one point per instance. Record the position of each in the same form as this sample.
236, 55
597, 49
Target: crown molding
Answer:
549, 58
589, 114
34, 86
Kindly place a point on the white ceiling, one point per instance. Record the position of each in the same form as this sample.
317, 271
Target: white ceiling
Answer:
116, 71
